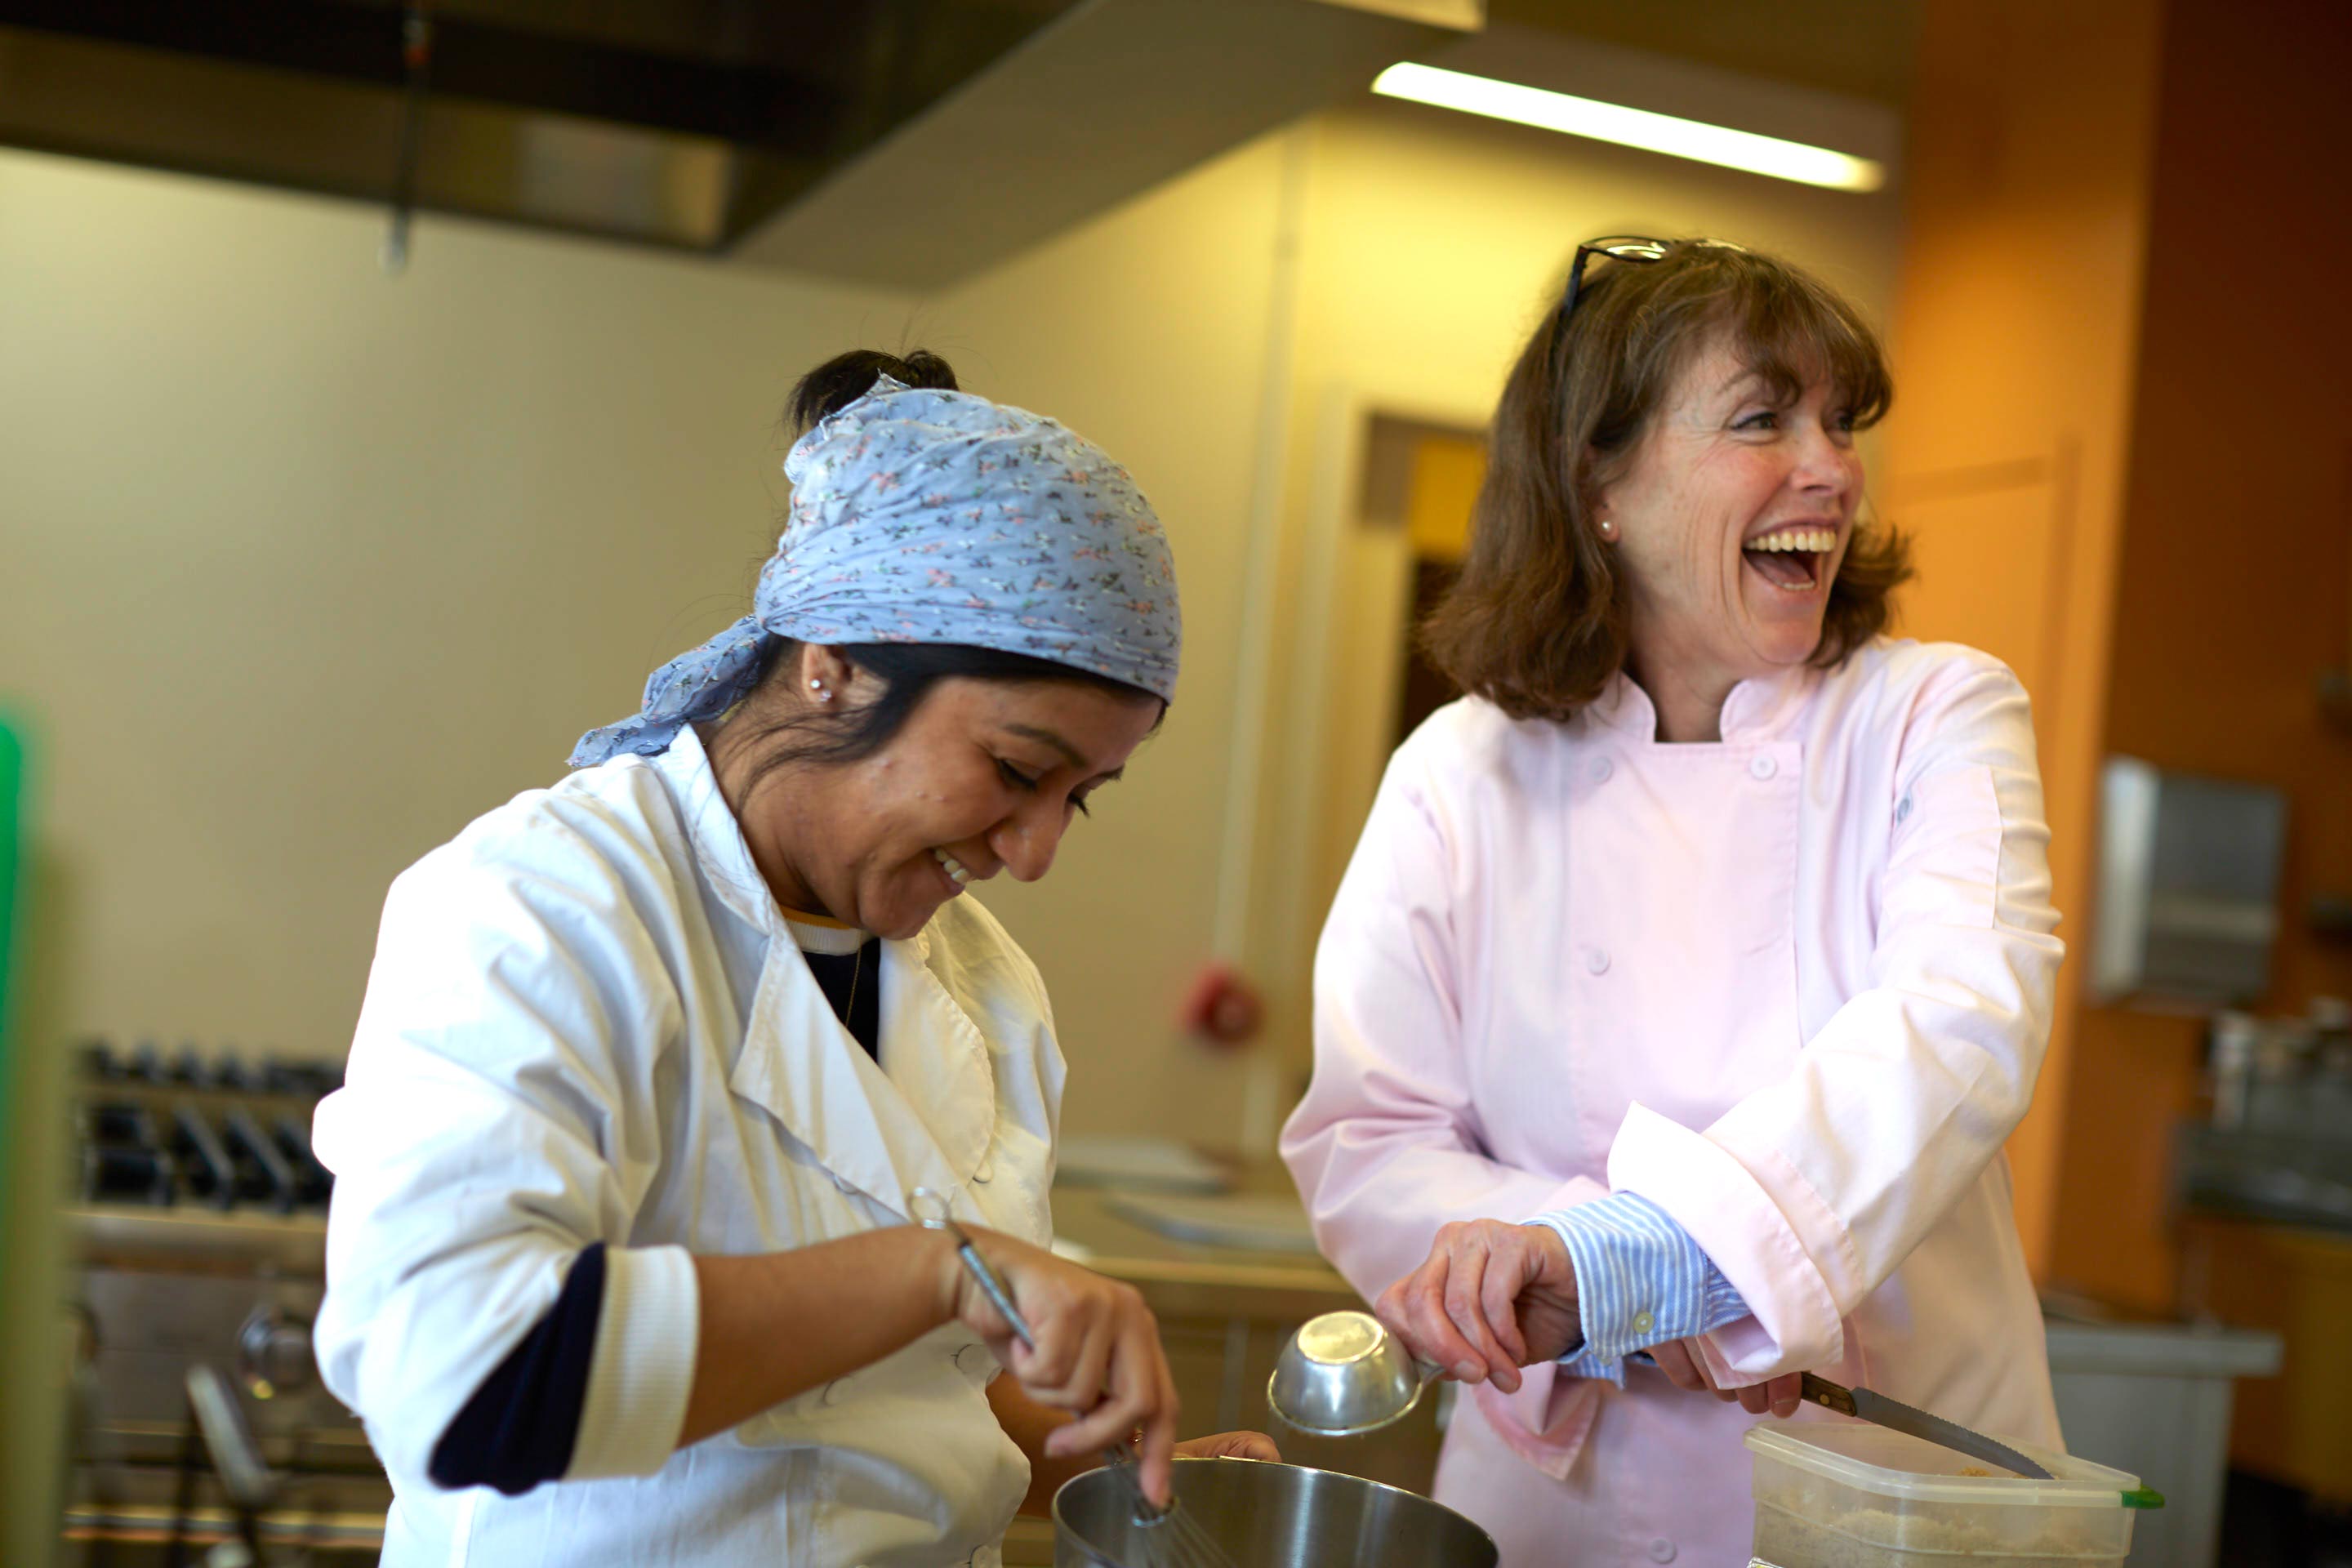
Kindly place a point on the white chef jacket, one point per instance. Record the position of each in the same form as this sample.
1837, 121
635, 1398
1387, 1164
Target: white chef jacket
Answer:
588, 1021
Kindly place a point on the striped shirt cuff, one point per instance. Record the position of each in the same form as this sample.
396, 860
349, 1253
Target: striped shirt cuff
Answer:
1640, 1280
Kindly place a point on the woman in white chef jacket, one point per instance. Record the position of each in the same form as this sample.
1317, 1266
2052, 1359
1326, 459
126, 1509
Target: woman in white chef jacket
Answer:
1711, 934
620, 1265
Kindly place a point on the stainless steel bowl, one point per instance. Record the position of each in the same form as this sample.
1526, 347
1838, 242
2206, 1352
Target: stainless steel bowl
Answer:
1264, 1515
1343, 1374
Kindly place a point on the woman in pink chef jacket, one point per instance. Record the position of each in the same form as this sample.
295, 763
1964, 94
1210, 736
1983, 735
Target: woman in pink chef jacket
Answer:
1692, 970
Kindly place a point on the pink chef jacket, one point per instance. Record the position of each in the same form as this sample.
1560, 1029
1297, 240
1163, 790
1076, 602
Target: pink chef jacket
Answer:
1793, 986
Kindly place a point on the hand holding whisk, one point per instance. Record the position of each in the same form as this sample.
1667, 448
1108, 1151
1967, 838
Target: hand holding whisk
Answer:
1169, 1536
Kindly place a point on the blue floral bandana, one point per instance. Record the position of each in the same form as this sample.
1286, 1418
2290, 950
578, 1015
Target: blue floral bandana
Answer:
938, 517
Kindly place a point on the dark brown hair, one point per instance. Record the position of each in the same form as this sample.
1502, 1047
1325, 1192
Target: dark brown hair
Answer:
1535, 623
844, 378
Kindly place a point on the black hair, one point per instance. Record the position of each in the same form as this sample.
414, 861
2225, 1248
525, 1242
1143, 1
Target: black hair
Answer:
844, 378
903, 672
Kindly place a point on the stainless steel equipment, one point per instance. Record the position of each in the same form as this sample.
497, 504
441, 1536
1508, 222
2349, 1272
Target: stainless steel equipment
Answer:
1268, 1515
2189, 887
1344, 1374
199, 1226
2279, 1145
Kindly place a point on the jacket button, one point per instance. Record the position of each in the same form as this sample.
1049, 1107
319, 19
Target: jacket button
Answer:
973, 1360
987, 1169
1600, 769
1762, 766
1597, 960
832, 1394
842, 1184
1661, 1550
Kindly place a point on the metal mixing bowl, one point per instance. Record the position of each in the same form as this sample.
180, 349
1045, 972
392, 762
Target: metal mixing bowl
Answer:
1264, 1515
1343, 1374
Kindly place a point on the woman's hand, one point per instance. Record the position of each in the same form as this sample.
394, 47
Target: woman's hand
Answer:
1229, 1445
1097, 1353
1031, 1425
1490, 1299
1685, 1368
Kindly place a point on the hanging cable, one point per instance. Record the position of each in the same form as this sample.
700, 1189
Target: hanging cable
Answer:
416, 56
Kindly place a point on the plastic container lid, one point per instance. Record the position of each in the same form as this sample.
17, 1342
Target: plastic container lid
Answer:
1891, 1464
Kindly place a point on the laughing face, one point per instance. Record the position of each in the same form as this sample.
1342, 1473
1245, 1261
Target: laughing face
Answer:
984, 776
1731, 515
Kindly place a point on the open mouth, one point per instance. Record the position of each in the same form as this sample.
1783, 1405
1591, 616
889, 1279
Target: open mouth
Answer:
1792, 558
951, 871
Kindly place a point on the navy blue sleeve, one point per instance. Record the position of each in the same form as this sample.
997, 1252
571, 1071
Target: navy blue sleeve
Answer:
520, 1426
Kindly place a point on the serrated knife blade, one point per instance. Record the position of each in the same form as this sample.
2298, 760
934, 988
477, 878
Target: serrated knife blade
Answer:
1879, 1410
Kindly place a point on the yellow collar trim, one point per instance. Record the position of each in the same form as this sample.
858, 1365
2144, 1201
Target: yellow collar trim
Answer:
802, 916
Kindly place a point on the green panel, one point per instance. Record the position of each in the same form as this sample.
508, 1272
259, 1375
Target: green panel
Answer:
11, 862
32, 1410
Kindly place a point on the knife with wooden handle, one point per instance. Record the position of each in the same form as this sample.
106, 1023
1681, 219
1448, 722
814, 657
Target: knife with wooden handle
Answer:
1894, 1413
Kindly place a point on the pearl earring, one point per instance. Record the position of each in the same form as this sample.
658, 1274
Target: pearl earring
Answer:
818, 687
1608, 529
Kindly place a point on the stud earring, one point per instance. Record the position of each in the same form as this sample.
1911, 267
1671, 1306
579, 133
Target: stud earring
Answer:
818, 687
1608, 528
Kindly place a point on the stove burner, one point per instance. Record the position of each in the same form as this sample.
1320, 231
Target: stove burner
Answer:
120, 1175
216, 1131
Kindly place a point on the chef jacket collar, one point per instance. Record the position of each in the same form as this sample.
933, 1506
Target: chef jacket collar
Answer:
1757, 709
920, 1115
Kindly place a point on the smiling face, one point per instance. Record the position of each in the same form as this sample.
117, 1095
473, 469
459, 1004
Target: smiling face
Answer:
1731, 515
984, 776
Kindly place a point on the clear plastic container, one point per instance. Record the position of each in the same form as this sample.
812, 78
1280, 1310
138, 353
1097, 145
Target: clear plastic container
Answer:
1845, 1494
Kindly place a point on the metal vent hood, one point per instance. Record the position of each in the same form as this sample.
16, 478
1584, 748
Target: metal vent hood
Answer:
897, 142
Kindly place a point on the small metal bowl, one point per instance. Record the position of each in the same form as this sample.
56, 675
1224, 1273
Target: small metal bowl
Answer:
1343, 1374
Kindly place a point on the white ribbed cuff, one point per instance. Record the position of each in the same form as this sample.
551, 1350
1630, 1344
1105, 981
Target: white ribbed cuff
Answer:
643, 1369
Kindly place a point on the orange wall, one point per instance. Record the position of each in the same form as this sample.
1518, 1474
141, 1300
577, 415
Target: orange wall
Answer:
2125, 445
2015, 337
2230, 596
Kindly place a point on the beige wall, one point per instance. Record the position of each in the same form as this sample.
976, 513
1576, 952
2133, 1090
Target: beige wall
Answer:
1145, 330
305, 566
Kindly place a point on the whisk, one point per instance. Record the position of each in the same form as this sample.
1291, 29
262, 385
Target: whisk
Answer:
1165, 1537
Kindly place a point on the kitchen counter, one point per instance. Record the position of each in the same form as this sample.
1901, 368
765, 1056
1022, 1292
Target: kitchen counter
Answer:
1186, 1277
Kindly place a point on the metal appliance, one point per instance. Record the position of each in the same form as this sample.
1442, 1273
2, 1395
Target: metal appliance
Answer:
2189, 888
200, 1227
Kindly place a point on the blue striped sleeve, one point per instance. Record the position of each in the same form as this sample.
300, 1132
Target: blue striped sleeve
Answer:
1640, 1280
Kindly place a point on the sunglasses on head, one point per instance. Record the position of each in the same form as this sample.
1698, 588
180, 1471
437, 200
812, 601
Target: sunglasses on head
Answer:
1633, 247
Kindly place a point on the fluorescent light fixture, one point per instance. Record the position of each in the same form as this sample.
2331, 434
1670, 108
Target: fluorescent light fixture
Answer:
1630, 127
